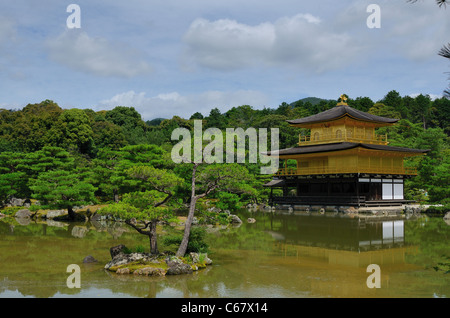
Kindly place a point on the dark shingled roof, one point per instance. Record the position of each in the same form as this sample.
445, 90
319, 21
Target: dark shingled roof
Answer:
339, 111
340, 146
275, 183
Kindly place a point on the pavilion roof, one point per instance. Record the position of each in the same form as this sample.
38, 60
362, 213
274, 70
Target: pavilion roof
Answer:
340, 111
341, 146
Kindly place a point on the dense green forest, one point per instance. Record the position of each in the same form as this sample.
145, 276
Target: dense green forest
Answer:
70, 157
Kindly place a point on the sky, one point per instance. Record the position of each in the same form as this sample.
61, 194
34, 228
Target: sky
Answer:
167, 58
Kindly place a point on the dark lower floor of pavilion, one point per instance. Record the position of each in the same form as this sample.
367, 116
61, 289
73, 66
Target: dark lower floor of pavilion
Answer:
343, 190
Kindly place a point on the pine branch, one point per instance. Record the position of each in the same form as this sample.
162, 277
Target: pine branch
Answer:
445, 51
440, 3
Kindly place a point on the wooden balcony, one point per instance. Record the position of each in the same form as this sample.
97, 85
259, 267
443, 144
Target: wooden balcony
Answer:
346, 137
345, 170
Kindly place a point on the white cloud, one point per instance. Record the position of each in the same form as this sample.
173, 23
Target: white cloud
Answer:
413, 31
432, 96
171, 104
301, 41
7, 31
77, 50
225, 44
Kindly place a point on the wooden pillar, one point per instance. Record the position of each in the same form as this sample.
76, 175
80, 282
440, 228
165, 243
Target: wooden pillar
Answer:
357, 189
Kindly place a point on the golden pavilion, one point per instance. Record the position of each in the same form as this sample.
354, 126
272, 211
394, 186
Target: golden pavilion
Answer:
342, 162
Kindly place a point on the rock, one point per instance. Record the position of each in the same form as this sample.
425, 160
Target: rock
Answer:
89, 259
179, 268
214, 209
95, 217
149, 271
56, 223
27, 203
116, 250
173, 260
79, 231
447, 218
251, 220
16, 202
122, 271
24, 213
55, 213
235, 219
23, 221
197, 257
122, 259
301, 207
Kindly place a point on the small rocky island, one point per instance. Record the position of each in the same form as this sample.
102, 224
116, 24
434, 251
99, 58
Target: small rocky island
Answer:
154, 265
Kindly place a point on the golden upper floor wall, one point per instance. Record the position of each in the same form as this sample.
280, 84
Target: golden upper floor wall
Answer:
343, 130
342, 123
353, 161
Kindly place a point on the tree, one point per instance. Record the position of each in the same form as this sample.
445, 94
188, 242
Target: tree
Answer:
440, 179
47, 159
12, 179
107, 134
215, 119
110, 168
434, 139
29, 129
394, 100
423, 104
442, 111
196, 115
63, 189
73, 131
383, 110
288, 135
168, 125
108, 173
133, 127
147, 206
17, 169
361, 103
226, 177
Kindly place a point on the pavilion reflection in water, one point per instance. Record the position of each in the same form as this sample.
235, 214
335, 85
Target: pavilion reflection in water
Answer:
341, 241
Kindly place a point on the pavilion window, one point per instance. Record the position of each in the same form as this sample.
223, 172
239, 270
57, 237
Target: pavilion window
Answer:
349, 133
316, 136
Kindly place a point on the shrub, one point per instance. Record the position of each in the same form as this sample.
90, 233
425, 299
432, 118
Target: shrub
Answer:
228, 201
196, 240
137, 249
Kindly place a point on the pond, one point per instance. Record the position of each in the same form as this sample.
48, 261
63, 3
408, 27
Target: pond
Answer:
279, 255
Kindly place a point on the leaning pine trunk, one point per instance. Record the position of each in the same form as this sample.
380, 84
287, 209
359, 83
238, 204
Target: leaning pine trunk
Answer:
187, 228
152, 236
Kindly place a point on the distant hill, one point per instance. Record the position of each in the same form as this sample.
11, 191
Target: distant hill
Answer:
154, 122
312, 100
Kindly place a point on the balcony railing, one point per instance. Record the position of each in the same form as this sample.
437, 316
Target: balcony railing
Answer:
324, 139
349, 169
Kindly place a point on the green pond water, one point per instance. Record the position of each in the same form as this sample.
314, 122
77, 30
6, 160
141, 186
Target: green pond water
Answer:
280, 255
